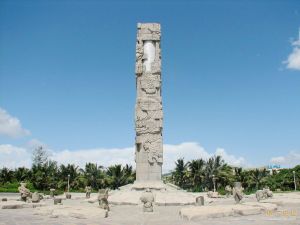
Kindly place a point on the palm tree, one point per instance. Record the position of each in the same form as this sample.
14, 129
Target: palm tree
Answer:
22, 174
6, 175
196, 169
118, 176
238, 173
213, 167
242, 176
258, 176
225, 175
180, 173
94, 175
129, 173
45, 176
64, 172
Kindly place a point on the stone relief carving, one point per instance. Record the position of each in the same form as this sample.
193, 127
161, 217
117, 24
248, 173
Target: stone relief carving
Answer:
237, 192
153, 146
139, 57
148, 126
24, 192
149, 32
148, 110
150, 85
147, 198
149, 103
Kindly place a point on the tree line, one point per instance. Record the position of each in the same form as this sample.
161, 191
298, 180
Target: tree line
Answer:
198, 175
45, 174
194, 175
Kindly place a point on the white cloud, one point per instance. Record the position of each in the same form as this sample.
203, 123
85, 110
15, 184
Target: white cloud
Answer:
11, 126
231, 159
293, 60
34, 143
192, 150
107, 157
186, 150
111, 156
104, 157
290, 160
13, 157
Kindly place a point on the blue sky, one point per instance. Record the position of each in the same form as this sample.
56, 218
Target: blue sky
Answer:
67, 74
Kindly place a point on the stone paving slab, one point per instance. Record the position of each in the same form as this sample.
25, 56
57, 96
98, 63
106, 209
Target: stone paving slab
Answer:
19, 205
282, 201
217, 211
77, 212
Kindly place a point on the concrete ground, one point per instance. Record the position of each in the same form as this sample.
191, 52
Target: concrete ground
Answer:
78, 211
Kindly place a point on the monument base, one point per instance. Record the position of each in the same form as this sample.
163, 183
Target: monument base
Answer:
164, 194
153, 185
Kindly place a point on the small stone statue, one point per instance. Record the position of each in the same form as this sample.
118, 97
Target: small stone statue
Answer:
103, 199
57, 201
25, 192
268, 192
88, 190
52, 192
200, 200
263, 194
147, 198
213, 194
36, 197
68, 195
228, 191
237, 192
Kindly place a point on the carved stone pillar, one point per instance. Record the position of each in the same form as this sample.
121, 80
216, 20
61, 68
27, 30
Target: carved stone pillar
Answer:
148, 108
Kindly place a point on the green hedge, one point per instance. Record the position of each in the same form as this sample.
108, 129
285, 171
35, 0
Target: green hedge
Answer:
13, 187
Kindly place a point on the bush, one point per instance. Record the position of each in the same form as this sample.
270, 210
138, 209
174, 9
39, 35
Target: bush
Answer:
13, 187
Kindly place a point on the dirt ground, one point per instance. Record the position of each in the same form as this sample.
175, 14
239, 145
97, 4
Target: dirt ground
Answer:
287, 213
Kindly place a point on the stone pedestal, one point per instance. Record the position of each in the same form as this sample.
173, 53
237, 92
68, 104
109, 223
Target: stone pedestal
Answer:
153, 185
200, 201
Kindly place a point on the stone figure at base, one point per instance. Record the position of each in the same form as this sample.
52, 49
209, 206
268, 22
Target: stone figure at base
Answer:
52, 192
147, 199
36, 197
200, 200
213, 194
103, 199
228, 191
57, 201
24, 192
263, 194
68, 195
88, 190
237, 192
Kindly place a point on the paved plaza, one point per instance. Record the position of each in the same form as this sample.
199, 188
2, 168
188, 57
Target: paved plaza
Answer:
80, 211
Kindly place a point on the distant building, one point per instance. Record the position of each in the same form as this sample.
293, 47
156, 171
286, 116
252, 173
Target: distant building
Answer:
274, 167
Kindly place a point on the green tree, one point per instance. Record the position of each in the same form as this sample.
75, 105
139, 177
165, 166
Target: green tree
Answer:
22, 174
213, 167
6, 175
63, 173
39, 156
180, 174
45, 176
258, 177
118, 176
225, 176
94, 175
197, 174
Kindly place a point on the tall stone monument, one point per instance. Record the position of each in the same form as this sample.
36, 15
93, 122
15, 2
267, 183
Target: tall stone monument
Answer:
148, 108
148, 127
